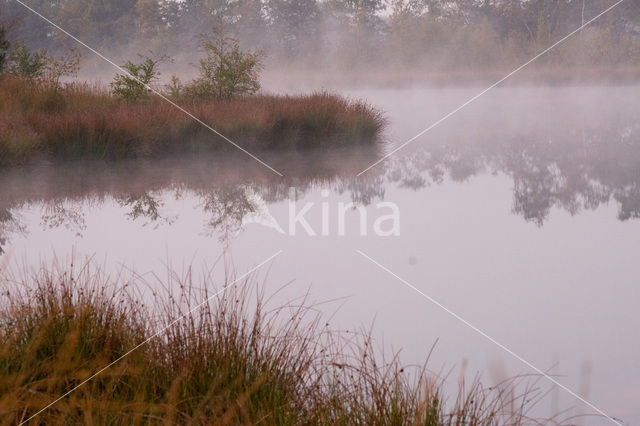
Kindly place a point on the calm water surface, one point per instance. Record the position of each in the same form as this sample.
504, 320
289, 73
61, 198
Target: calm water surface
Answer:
519, 214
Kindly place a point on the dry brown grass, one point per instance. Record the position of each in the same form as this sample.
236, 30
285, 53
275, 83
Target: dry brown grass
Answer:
80, 120
233, 361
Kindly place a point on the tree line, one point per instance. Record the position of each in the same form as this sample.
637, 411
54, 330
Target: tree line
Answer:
436, 34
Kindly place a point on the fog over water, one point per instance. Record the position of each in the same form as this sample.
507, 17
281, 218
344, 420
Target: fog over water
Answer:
520, 214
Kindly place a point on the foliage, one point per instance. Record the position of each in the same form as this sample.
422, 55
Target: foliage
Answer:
437, 37
66, 65
137, 85
26, 64
297, 25
174, 89
4, 47
38, 67
226, 71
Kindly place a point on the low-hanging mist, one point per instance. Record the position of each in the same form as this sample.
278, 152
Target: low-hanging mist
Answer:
350, 42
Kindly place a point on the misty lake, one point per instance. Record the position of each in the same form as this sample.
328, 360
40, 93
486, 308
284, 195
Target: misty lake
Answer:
519, 213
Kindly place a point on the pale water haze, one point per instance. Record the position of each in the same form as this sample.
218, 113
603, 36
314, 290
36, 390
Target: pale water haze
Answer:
519, 213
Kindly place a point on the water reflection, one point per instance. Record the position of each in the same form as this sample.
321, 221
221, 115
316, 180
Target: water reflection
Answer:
572, 165
227, 188
9, 224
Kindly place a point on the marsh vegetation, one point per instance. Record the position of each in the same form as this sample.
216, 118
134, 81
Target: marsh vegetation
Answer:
219, 355
519, 213
82, 120
43, 117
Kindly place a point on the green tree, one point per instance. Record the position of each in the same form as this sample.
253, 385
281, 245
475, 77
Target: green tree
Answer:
137, 84
25, 64
226, 71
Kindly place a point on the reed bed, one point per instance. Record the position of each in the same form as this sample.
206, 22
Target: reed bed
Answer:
233, 360
82, 120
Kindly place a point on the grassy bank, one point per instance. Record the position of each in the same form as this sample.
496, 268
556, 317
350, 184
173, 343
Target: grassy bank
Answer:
80, 120
232, 362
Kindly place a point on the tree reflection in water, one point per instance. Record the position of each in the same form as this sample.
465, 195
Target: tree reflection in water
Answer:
574, 167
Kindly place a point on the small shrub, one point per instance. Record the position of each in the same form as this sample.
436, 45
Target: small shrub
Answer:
37, 66
226, 71
175, 88
64, 66
137, 85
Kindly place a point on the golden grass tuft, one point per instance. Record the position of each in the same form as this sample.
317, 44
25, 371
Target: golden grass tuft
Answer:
233, 361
